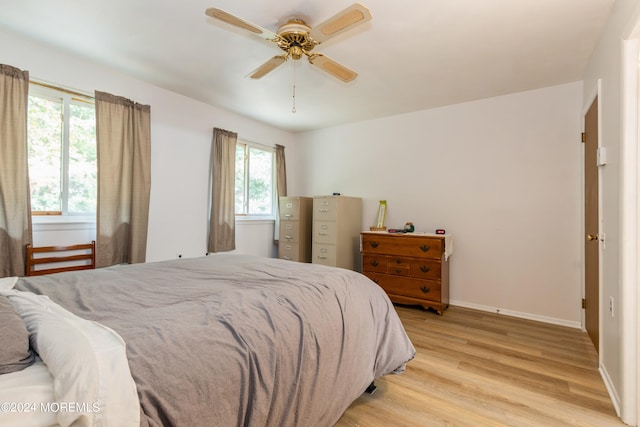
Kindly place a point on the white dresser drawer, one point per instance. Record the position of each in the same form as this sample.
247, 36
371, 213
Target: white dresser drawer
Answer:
325, 209
324, 231
324, 254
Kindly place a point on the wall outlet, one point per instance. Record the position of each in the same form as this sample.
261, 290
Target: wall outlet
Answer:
611, 306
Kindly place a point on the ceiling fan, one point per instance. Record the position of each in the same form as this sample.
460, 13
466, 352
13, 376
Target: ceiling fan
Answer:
296, 39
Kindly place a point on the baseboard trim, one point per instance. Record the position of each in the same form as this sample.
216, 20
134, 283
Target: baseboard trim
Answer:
613, 395
522, 315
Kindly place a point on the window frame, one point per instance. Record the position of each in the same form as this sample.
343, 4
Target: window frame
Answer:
67, 97
244, 216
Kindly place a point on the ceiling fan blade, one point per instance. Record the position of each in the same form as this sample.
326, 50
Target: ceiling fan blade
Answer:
240, 23
268, 66
352, 16
332, 67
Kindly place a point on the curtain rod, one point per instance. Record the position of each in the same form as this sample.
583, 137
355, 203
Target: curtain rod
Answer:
246, 141
61, 89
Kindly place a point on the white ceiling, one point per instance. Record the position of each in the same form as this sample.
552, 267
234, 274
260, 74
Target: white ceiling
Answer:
413, 54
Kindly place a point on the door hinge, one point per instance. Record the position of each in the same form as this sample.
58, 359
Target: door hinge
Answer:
583, 137
584, 303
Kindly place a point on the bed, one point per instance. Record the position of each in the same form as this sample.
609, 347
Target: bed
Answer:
222, 340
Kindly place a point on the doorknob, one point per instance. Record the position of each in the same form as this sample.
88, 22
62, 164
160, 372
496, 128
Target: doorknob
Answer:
591, 237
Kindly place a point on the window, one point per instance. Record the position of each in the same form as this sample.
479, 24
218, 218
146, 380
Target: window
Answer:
61, 132
255, 189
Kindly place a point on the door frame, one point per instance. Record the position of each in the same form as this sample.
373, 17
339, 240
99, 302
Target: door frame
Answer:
630, 225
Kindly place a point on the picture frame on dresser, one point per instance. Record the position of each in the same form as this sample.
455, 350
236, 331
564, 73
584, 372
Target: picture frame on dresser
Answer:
412, 268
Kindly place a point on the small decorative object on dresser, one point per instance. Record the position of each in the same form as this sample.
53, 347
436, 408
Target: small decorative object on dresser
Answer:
337, 223
382, 213
295, 228
412, 268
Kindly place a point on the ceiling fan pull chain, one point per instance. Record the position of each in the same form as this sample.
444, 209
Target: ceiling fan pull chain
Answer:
293, 110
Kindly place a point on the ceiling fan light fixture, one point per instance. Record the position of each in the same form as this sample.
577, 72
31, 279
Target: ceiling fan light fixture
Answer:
295, 52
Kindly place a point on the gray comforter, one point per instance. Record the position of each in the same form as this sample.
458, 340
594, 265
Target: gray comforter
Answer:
230, 340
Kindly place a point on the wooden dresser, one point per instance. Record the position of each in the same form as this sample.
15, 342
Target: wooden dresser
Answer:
411, 268
295, 228
337, 223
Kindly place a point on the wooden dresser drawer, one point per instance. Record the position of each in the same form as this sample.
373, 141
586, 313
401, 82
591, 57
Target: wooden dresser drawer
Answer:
404, 245
399, 266
411, 268
422, 289
426, 269
377, 263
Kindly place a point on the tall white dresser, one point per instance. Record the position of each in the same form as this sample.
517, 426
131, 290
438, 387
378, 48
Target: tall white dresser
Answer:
296, 214
337, 223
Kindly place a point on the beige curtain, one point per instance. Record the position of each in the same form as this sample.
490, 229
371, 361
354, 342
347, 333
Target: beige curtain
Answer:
123, 135
222, 221
15, 197
281, 187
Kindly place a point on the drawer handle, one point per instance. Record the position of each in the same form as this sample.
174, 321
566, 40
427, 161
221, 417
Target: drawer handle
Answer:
323, 210
398, 270
288, 237
287, 258
424, 248
424, 268
322, 257
375, 281
375, 263
288, 215
399, 261
323, 233
425, 289
374, 244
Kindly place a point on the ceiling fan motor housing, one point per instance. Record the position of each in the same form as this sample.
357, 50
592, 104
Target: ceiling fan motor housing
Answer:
294, 38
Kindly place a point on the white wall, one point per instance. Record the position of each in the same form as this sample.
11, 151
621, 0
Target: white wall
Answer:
181, 132
502, 175
618, 333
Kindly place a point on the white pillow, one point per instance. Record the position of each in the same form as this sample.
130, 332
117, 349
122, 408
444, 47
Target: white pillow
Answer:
87, 361
7, 283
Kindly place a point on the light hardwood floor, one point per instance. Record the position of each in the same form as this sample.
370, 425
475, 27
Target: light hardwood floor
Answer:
475, 368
